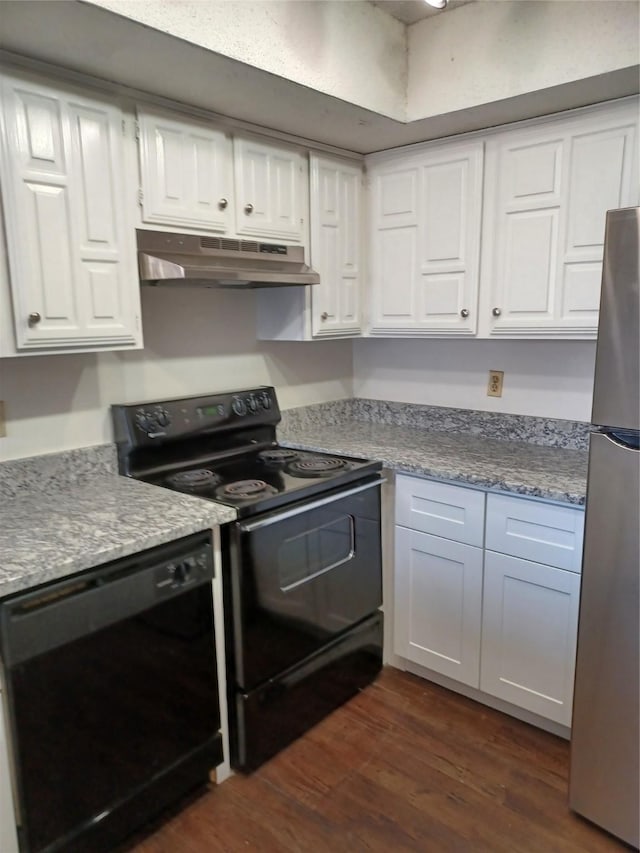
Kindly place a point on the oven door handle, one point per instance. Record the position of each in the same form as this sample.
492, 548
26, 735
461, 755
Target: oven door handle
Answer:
251, 526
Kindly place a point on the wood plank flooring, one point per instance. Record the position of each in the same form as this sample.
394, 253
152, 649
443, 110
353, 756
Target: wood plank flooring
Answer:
405, 766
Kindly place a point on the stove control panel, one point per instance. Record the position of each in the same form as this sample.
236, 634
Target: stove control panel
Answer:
152, 420
145, 423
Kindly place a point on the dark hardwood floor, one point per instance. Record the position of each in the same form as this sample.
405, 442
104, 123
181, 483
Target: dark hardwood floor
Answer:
405, 766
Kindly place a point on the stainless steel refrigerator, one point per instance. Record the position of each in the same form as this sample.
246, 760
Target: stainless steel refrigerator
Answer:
605, 744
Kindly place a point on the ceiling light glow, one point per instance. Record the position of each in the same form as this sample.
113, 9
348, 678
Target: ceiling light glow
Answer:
437, 4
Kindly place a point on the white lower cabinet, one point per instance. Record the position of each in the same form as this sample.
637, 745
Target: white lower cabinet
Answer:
8, 835
438, 604
500, 624
529, 629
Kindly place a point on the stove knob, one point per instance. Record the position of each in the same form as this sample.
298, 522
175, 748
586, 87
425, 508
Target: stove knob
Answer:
162, 417
239, 407
252, 404
144, 421
265, 400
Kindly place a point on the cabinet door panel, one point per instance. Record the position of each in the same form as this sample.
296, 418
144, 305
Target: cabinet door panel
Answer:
548, 188
65, 218
48, 264
532, 174
427, 284
336, 212
90, 135
530, 251
438, 604
8, 834
268, 190
529, 629
186, 173
595, 186
396, 202
398, 251
443, 191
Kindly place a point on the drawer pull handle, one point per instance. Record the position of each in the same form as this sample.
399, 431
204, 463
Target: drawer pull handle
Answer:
34, 318
496, 312
248, 209
464, 313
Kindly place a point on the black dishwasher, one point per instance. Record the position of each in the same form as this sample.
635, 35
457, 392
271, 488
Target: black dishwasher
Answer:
112, 696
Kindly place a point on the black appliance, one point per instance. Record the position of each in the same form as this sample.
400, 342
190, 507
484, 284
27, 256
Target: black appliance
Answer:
302, 568
112, 696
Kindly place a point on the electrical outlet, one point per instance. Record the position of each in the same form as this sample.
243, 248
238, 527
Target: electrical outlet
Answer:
3, 425
494, 389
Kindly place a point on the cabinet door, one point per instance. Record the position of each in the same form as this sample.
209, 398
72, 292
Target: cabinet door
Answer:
186, 172
336, 220
269, 190
426, 242
8, 835
529, 629
438, 604
72, 253
602, 175
547, 191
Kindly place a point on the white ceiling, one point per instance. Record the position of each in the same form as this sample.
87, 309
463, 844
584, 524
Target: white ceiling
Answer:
411, 11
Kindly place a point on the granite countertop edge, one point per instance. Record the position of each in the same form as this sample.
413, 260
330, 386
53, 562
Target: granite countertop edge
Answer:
546, 473
47, 535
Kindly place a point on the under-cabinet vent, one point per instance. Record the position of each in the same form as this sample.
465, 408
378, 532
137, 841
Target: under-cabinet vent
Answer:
228, 244
202, 261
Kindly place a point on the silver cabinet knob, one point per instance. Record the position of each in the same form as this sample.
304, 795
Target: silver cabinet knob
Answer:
222, 204
496, 312
34, 318
464, 313
248, 209
324, 316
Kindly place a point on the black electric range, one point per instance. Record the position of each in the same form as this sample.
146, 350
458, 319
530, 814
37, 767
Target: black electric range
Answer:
223, 447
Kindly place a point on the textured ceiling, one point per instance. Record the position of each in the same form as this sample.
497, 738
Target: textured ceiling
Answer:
410, 11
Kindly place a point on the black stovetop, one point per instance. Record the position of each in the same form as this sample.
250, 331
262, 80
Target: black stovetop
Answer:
259, 481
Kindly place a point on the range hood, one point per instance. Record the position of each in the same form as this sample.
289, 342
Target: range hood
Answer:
190, 260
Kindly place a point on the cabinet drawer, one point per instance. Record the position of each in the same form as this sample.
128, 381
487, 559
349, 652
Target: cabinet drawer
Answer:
452, 512
535, 531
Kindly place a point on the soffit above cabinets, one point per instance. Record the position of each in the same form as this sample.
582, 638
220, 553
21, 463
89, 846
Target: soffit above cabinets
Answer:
412, 11
92, 41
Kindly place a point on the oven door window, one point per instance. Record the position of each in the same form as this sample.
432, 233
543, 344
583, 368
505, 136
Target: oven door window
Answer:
305, 556
302, 579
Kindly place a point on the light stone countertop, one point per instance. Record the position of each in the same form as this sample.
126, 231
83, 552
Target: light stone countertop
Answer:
552, 473
46, 534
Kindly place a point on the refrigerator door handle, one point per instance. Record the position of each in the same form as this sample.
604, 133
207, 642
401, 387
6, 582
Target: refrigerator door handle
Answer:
629, 440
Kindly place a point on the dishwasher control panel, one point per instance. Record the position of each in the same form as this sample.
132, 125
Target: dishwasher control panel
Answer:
184, 571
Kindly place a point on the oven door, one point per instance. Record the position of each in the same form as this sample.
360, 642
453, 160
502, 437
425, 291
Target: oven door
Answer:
302, 576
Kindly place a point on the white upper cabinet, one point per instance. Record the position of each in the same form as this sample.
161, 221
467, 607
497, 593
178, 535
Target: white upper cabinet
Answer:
547, 189
70, 242
194, 175
186, 172
270, 196
425, 240
336, 252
